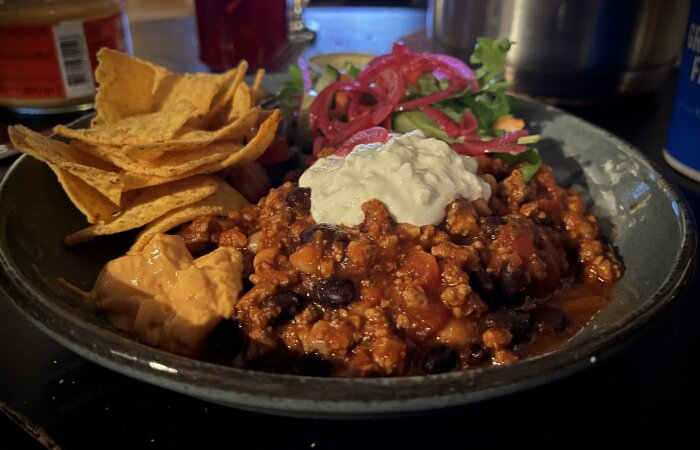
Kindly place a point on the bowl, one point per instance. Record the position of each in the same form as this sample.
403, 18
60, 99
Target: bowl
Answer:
647, 221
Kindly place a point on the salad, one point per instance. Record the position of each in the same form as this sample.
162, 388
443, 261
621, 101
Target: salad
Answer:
337, 108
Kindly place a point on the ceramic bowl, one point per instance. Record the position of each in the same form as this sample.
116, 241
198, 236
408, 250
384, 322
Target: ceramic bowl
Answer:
646, 220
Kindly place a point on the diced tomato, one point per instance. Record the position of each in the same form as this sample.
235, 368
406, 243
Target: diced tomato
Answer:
549, 206
523, 244
423, 267
521, 240
428, 319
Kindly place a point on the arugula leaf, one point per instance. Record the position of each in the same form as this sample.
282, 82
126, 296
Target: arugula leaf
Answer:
491, 55
531, 161
291, 93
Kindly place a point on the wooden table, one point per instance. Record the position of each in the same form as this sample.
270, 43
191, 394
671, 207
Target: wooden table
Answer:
647, 391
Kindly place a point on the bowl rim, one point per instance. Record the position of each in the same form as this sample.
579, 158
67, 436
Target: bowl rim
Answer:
328, 397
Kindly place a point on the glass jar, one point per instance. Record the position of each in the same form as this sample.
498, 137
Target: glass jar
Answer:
48, 51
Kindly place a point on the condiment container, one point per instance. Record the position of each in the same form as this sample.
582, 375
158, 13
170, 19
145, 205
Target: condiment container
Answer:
48, 48
682, 150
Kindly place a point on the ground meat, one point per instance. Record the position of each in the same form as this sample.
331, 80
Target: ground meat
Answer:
489, 285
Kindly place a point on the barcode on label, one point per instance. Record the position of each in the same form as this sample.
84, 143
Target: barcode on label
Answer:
71, 46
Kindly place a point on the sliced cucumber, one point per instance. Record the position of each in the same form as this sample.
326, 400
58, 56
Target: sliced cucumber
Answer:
303, 135
406, 121
329, 75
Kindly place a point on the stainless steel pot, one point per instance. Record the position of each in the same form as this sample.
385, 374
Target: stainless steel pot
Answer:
570, 49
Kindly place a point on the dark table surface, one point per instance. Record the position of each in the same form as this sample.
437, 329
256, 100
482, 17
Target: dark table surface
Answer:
646, 391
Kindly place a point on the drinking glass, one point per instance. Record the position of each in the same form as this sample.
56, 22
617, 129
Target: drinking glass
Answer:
263, 32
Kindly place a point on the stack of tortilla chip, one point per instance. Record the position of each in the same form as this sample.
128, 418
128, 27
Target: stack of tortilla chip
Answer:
157, 136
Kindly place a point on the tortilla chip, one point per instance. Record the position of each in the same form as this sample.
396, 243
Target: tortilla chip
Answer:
77, 152
257, 83
173, 164
222, 103
242, 102
134, 181
252, 150
195, 138
126, 86
256, 146
248, 154
196, 88
225, 199
149, 204
95, 206
61, 155
146, 128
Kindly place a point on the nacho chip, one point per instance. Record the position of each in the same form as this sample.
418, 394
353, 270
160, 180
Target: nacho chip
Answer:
252, 150
177, 163
61, 155
242, 102
193, 138
134, 181
225, 199
149, 204
256, 146
171, 164
95, 206
257, 83
222, 103
196, 88
248, 154
127, 85
146, 128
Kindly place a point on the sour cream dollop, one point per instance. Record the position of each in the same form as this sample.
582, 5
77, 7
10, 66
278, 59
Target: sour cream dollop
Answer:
414, 176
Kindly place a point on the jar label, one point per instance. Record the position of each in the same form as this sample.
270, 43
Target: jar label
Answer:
56, 60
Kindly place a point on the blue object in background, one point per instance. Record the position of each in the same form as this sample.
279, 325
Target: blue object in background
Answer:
683, 145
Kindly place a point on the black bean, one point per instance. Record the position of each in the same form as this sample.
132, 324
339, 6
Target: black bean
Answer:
490, 226
514, 320
312, 365
494, 319
550, 320
226, 338
284, 306
520, 326
495, 221
440, 359
545, 221
478, 355
481, 282
512, 283
299, 198
335, 292
330, 233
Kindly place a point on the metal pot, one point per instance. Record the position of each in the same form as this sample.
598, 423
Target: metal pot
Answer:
570, 49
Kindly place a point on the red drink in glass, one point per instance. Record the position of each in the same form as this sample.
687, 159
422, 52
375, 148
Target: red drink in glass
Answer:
231, 30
